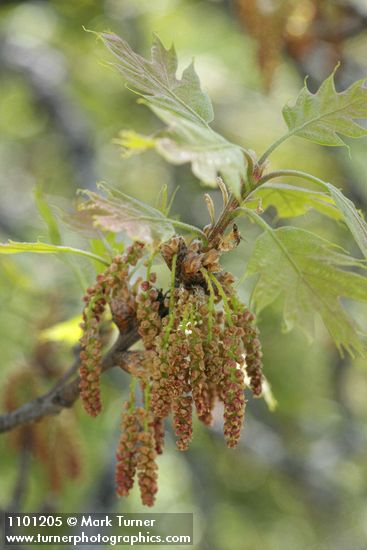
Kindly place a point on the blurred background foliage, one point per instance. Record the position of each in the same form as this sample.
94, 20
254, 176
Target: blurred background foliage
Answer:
299, 478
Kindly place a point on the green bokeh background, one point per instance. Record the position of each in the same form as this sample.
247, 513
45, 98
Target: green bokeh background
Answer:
299, 477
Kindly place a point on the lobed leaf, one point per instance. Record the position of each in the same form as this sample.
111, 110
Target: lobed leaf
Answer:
324, 116
184, 107
307, 272
156, 80
291, 201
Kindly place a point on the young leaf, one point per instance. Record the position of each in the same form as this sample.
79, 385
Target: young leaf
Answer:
125, 214
291, 201
119, 212
184, 107
164, 202
132, 143
156, 79
12, 247
326, 115
306, 270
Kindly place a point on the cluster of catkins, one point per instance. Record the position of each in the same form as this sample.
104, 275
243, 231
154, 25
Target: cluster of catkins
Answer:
201, 346
141, 440
111, 288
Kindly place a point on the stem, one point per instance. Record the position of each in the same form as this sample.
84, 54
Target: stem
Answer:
250, 166
210, 303
132, 394
235, 303
176, 223
229, 211
186, 318
222, 222
258, 219
146, 406
273, 146
150, 264
189, 228
223, 295
171, 301
295, 174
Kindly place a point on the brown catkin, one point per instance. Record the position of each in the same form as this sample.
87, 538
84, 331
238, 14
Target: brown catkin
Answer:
232, 385
209, 395
197, 331
170, 349
126, 453
179, 378
137, 452
147, 467
160, 398
178, 362
199, 382
147, 313
182, 421
214, 355
157, 425
91, 354
252, 345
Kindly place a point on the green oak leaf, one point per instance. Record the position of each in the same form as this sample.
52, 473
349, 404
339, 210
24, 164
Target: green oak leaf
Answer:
324, 116
291, 201
306, 271
156, 80
186, 110
208, 152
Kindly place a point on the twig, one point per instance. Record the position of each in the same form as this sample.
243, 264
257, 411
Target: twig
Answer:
63, 395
